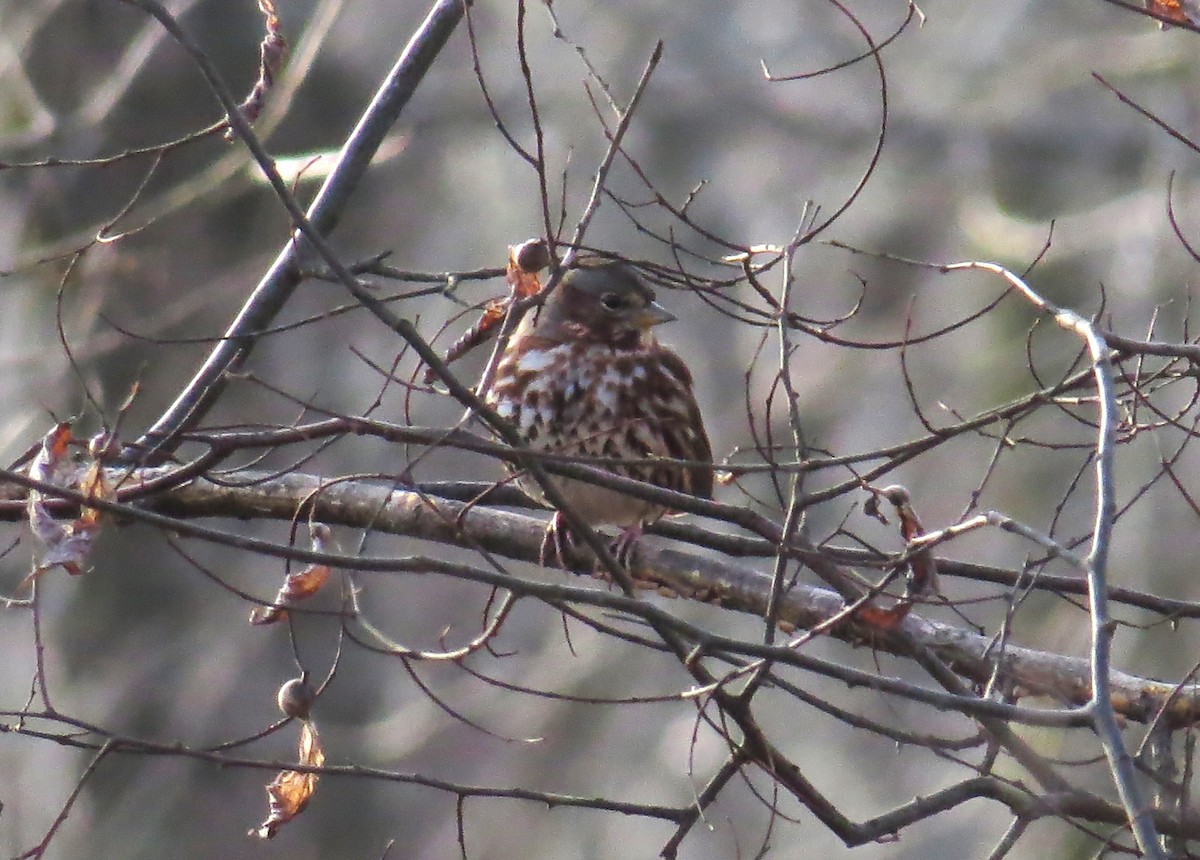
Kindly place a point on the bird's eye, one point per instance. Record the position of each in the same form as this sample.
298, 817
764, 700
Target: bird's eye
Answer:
612, 301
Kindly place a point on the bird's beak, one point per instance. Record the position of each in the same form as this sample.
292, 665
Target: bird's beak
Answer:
653, 314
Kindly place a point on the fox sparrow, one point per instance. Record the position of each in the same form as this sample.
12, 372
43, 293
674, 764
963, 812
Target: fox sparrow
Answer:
586, 377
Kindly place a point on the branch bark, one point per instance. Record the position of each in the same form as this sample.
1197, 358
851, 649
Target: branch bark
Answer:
685, 574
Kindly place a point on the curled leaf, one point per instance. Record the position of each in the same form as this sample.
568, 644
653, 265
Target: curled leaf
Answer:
272, 52
51, 463
922, 569
297, 586
885, 618
524, 263
480, 332
1181, 11
289, 793
66, 544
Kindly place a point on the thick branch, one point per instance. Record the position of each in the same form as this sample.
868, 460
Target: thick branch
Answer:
688, 575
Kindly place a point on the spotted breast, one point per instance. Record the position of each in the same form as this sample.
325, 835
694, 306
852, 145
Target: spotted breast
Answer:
586, 378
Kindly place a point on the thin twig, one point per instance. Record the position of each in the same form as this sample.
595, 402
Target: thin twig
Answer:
1096, 564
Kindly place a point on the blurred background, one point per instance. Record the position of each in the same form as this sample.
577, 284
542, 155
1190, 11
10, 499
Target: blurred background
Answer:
996, 129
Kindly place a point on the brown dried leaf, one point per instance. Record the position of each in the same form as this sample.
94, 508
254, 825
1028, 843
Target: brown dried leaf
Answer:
922, 569
910, 523
922, 574
95, 486
871, 509
480, 332
311, 753
297, 586
272, 52
1181, 11
51, 464
289, 793
884, 619
67, 544
524, 263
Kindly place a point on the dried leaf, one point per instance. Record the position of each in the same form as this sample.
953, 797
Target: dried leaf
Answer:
51, 464
69, 547
297, 586
480, 332
95, 486
922, 574
922, 569
272, 52
1181, 11
524, 263
871, 509
289, 793
67, 544
884, 619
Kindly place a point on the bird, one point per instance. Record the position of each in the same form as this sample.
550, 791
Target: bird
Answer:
585, 376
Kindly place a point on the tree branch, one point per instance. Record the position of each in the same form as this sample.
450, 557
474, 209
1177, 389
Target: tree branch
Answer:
276, 287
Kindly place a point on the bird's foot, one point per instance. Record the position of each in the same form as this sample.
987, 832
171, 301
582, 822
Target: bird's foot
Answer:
556, 543
625, 544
